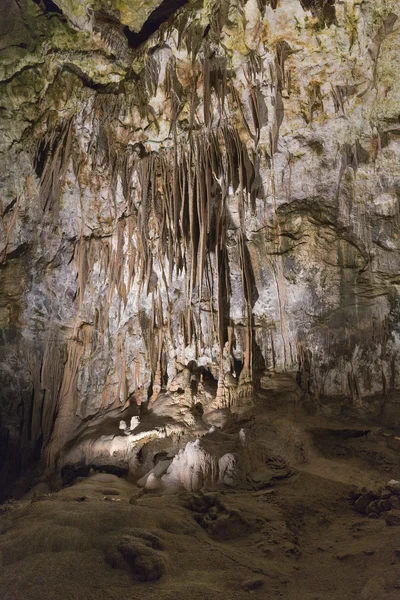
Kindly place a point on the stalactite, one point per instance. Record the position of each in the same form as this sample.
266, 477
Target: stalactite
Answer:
151, 75
220, 257
203, 209
179, 196
193, 226
180, 186
144, 171
67, 401
51, 162
247, 292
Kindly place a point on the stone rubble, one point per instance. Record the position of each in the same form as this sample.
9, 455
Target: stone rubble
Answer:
381, 502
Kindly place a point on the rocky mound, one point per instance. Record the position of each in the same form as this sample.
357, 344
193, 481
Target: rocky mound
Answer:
384, 502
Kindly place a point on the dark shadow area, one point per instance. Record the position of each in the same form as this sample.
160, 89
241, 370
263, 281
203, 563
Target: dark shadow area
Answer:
161, 14
41, 157
323, 9
48, 6
69, 473
237, 367
259, 363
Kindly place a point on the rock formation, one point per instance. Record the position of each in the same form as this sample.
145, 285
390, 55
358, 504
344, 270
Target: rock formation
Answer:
198, 201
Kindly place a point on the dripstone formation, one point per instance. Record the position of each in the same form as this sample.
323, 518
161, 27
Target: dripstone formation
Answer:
199, 202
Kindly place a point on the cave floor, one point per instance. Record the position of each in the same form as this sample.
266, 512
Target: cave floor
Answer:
297, 538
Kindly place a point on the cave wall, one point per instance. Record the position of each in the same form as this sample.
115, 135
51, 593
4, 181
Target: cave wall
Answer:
226, 193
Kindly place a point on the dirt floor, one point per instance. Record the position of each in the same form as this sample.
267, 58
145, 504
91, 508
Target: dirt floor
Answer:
293, 536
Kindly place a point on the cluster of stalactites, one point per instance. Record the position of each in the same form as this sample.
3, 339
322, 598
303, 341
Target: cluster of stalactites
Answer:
181, 202
178, 217
183, 199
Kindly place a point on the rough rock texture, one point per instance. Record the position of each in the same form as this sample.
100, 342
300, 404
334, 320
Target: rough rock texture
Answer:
223, 195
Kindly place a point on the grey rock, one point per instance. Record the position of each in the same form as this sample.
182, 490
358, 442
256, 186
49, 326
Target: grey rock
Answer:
394, 487
363, 502
386, 495
395, 502
384, 505
393, 518
145, 563
253, 584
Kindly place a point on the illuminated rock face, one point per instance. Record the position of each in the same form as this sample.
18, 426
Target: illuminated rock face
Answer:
225, 196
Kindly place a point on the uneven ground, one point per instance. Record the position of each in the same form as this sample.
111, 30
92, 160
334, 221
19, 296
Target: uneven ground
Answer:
293, 538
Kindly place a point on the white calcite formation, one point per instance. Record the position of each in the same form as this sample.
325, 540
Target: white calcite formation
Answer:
110, 450
193, 468
217, 458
